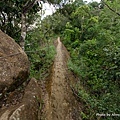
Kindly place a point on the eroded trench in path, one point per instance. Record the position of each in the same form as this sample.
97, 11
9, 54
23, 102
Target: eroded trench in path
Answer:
59, 101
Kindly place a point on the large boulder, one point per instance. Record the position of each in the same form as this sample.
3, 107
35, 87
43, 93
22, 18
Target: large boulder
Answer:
29, 108
14, 64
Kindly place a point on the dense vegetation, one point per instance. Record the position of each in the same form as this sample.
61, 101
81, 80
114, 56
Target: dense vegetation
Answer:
91, 33
93, 39
40, 51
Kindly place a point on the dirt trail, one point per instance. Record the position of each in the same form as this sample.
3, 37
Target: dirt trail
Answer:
60, 103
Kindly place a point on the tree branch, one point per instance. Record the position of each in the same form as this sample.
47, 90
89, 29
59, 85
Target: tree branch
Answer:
14, 54
3, 21
10, 55
110, 8
28, 6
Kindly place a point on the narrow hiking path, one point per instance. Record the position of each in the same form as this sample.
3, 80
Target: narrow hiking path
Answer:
60, 103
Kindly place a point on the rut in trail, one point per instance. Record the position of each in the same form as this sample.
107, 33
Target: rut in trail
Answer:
60, 103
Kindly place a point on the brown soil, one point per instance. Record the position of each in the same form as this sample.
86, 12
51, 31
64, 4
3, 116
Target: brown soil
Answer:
59, 101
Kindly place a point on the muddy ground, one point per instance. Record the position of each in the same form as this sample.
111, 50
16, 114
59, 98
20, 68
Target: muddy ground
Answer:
59, 101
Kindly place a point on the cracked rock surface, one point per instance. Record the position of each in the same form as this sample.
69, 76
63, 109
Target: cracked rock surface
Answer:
14, 64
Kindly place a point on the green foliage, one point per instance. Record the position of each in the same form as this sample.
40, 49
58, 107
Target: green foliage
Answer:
92, 36
41, 63
10, 20
74, 67
40, 52
56, 22
11, 11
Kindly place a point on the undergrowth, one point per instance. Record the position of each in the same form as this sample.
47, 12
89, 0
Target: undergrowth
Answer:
95, 58
41, 52
100, 93
41, 62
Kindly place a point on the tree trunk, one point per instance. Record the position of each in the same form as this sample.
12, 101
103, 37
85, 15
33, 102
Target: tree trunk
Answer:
25, 9
23, 31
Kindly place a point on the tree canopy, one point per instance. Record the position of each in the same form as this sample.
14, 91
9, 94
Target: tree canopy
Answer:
91, 34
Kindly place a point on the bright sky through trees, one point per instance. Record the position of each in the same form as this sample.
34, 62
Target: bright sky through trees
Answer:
49, 9
92, 0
